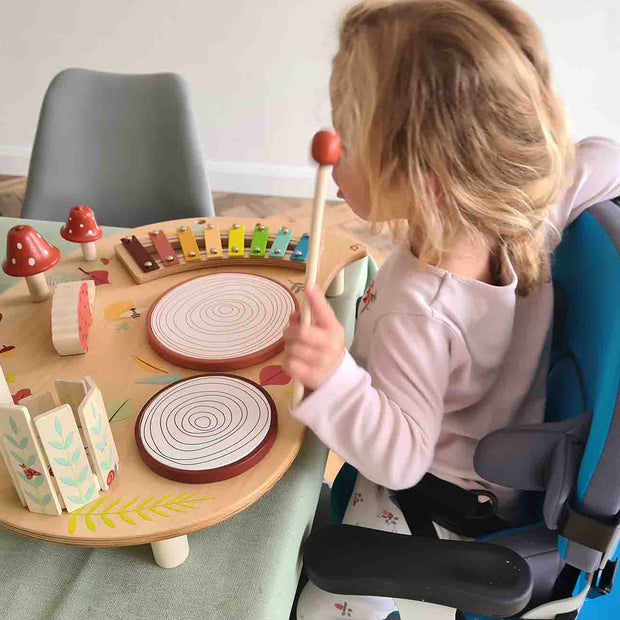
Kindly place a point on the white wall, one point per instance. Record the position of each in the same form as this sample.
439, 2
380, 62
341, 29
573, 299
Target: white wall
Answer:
258, 70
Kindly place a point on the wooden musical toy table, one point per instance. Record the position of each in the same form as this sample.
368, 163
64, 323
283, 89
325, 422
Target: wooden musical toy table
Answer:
143, 507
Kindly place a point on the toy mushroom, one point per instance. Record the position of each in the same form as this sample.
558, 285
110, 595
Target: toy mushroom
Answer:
81, 227
29, 255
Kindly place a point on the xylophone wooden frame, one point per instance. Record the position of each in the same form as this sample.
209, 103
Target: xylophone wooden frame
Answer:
223, 224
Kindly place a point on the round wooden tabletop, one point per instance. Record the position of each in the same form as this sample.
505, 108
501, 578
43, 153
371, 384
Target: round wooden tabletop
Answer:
141, 506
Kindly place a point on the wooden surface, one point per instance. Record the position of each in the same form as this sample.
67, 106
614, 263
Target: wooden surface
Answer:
338, 216
141, 506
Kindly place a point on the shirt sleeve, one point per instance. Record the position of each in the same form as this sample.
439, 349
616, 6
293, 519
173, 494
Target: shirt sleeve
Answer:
596, 177
385, 420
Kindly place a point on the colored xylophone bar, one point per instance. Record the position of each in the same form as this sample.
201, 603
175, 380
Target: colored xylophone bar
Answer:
192, 247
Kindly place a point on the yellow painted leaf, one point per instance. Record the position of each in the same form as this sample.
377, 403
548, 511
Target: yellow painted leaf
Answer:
110, 506
186, 505
143, 514
95, 505
10, 377
146, 501
107, 520
72, 524
158, 512
170, 507
125, 518
129, 503
161, 499
89, 523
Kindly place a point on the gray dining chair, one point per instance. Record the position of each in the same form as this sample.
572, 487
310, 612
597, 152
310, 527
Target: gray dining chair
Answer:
125, 145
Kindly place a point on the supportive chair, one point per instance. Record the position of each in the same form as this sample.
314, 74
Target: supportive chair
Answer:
125, 145
561, 565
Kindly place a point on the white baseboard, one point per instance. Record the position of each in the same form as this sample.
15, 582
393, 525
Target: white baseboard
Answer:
224, 176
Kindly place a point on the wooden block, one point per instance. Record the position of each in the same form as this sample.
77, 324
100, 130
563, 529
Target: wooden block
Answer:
7, 462
89, 383
72, 392
188, 244
5, 392
99, 439
301, 249
26, 460
61, 441
236, 240
72, 308
166, 252
280, 243
38, 403
139, 254
213, 241
258, 245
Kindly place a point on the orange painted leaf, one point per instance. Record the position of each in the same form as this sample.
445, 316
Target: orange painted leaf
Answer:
273, 375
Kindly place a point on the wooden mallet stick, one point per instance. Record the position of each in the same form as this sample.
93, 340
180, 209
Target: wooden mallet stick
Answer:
326, 152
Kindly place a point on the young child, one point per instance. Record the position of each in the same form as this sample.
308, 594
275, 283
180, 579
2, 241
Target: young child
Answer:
453, 135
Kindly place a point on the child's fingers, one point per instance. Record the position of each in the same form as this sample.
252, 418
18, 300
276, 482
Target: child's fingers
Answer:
299, 370
306, 334
322, 313
305, 353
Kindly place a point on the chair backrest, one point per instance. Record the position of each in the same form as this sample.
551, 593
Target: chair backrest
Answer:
125, 145
586, 375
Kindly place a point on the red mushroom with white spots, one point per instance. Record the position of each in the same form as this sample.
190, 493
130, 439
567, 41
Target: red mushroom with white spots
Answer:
82, 227
29, 255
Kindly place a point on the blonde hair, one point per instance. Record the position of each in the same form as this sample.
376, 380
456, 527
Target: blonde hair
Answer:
448, 107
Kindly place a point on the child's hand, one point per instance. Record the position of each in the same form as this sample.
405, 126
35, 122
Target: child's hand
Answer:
313, 351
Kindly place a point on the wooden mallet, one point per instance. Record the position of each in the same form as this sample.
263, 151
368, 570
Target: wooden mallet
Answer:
326, 153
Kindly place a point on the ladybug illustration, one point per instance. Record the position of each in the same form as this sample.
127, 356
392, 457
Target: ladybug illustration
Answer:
110, 477
344, 609
29, 472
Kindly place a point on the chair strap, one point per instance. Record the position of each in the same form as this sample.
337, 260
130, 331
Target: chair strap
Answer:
588, 531
452, 507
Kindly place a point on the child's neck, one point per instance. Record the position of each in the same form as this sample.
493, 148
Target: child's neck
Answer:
469, 259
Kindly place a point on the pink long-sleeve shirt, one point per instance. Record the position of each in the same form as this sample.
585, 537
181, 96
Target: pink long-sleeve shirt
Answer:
439, 361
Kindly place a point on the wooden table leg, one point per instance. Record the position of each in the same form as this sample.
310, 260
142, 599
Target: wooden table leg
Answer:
172, 552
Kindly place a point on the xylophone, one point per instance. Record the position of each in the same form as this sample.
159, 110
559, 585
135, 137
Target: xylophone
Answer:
166, 252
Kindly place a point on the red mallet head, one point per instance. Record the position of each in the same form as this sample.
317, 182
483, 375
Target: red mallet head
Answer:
326, 148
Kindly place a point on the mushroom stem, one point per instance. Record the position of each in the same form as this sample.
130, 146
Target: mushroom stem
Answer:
89, 250
37, 287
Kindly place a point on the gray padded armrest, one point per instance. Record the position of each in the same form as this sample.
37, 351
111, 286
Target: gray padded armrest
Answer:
475, 577
536, 457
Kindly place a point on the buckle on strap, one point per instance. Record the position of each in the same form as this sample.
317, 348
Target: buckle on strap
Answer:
603, 580
589, 531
